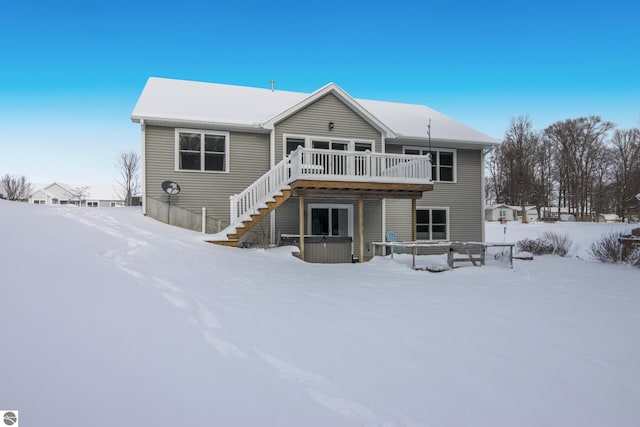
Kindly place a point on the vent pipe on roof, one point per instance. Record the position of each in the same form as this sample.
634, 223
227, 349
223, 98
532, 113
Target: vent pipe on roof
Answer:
272, 82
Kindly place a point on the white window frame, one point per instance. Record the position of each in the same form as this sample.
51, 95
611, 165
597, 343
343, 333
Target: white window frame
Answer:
436, 208
309, 138
97, 203
425, 150
202, 133
312, 206
39, 202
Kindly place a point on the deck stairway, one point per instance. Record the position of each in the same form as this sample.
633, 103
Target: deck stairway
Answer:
324, 170
257, 201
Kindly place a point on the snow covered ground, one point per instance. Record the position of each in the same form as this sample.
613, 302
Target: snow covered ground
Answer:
109, 318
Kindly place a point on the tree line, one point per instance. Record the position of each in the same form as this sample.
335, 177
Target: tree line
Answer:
585, 165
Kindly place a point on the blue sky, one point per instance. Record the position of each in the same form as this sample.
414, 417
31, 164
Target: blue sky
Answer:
71, 71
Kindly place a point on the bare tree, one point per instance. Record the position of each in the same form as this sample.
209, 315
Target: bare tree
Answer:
516, 161
626, 168
80, 193
128, 164
579, 145
16, 187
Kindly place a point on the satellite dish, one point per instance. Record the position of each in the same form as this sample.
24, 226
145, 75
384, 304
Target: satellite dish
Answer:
171, 188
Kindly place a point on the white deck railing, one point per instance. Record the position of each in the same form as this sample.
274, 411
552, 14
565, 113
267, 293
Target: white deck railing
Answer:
330, 165
333, 165
258, 193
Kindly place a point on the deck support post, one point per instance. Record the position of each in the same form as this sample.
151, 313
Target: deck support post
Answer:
301, 225
361, 226
413, 220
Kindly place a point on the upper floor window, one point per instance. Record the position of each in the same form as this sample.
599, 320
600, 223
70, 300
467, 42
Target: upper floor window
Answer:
443, 162
206, 151
293, 142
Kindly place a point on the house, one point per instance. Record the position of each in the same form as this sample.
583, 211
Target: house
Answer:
81, 195
499, 212
608, 218
255, 164
532, 213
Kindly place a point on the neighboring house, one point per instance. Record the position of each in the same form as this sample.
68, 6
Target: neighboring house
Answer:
567, 217
609, 218
532, 213
80, 195
499, 212
263, 163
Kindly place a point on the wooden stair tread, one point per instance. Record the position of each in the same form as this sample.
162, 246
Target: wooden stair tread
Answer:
264, 210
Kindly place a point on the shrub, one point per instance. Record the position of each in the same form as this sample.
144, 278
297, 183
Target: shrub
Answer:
609, 249
536, 247
561, 243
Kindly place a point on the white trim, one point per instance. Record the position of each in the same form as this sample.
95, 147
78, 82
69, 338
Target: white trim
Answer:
436, 162
384, 219
202, 132
308, 141
272, 149
143, 127
349, 208
340, 94
482, 199
97, 202
272, 162
439, 208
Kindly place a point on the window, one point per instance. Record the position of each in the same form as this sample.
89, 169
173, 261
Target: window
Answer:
39, 202
432, 224
330, 220
293, 144
362, 165
443, 162
330, 145
93, 204
202, 151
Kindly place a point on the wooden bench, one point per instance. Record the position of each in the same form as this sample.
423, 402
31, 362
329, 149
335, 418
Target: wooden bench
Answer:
470, 252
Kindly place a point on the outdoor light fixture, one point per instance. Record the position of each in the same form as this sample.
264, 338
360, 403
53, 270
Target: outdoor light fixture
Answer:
331, 125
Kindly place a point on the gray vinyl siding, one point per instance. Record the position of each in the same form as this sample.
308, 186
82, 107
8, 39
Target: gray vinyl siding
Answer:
464, 199
314, 121
287, 217
249, 159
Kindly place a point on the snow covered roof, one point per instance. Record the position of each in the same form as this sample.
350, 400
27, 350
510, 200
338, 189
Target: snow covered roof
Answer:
93, 192
169, 100
610, 217
104, 192
498, 206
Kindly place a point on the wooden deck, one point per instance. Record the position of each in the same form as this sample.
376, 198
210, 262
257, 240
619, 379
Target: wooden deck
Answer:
349, 189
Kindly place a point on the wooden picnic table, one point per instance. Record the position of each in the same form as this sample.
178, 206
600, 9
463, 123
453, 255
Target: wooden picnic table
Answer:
474, 252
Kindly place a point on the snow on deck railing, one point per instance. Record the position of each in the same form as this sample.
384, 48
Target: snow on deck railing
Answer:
259, 193
337, 165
